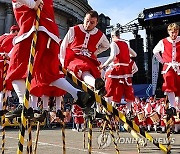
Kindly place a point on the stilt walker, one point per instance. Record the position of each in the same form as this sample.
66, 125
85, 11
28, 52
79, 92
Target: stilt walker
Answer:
168, 127
28, 83
133, 127
4, 103
63, 134
167, 53
84, 135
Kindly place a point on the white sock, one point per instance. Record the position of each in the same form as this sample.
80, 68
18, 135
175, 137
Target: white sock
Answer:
1, 100
33, 102
45, 100
82, 126
19, 87
8, 93
171, 97
77, 126
179, 100
155, 128
108, 99
176, 127
62, 83
98, 109
58, 103
88, 78
163, 128
149, 127
128, 106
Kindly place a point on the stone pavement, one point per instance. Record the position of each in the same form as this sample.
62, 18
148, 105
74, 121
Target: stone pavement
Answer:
50, 141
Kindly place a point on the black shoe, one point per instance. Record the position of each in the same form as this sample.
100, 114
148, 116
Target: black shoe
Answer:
100, 115
29, 113
99, 83
17, 113
174, 132
89, 112
84, 100
2, 112
171, 112
60, 114
40, 116
102, 91
37, 113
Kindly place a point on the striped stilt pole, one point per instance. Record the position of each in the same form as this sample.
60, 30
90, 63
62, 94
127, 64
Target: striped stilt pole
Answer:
117, 132
4, 102
28, 82
27, 152
84, 135
29, 144
90, 135
168, 127
138, 147
63, 136
118, 115
112, 134
37, 137
103, 132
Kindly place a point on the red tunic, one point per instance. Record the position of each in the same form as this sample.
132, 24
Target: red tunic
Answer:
119, 75
171, 78
6, 44
46, 62
78, 58
78, 115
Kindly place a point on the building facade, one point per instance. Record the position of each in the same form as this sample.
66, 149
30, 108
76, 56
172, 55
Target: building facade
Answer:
67, 14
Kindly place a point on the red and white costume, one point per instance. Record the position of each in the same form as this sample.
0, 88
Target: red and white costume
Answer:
46, 62
6, 44
122, 109
119, 74
137, 108
161, 111
170, 59
79, 49
177, 118
148, 111
78, 115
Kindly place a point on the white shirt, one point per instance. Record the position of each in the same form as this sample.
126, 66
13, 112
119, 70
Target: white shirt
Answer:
115, 51
102, 45
159, 48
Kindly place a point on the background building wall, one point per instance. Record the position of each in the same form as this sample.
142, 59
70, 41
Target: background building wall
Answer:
67, 14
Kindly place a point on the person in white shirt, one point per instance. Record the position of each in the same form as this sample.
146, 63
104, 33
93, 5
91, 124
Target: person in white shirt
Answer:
167, 52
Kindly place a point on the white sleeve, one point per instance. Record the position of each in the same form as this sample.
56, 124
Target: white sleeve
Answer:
102, 45
159, 48
113, 53
66, 41
29, 3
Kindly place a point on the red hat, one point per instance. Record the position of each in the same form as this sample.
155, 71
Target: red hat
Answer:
14, 27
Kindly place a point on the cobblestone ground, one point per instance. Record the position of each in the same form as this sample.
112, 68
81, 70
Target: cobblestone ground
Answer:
50, 141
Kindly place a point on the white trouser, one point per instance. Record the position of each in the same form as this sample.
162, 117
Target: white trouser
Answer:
88, 78
19, 87
63, 84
